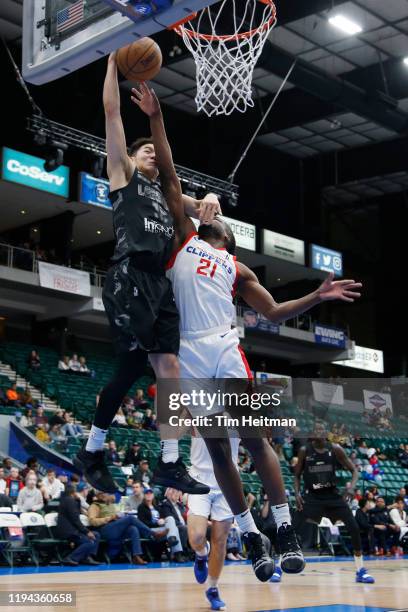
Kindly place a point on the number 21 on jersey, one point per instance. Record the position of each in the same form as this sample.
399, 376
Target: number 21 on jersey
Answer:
205, 268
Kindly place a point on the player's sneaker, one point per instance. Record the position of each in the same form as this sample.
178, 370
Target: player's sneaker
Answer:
363, 576
201, 567
262, 563
213, 597
95, 470
292, 560
175, 475
277, 575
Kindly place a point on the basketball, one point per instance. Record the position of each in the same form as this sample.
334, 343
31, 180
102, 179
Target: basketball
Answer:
140, 61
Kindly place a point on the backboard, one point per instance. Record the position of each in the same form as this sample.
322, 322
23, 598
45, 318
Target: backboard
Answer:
60, 36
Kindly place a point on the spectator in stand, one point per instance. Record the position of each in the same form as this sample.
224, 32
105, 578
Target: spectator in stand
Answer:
148, 421
356, 461
172, 508
27, 420
399, 517
40, 418
34, 362
57, 418
119, 419
362, 517
14, 484
143, 473
404, 493
382, 524
403, 455
83, 368
362, 449
69, 527
140, 401
42, 433
56, 435
74, 364
27, 399
3, 483
133, 455
30, 466
135, 419
7, 465
51, 487
5, 502
70, 428
83, 491
116, 528
13, 398
63, 364
245, 464
30, 498
112, 454
135, 499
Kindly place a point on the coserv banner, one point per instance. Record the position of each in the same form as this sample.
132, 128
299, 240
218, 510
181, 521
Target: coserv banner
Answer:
380, 401
327, 393
28, 170
68, 280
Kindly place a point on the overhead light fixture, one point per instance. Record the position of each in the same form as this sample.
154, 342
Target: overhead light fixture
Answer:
345, 25
35, 230
23, 212
405, 60
98, 232
97, 166
55, 155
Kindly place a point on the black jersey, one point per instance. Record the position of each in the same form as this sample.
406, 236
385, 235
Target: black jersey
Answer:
319, 472
142, 223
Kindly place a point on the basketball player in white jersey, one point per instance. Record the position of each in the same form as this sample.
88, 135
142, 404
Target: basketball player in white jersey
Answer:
214, 506
205, 276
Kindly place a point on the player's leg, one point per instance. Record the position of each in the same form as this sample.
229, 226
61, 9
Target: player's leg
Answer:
219, 535
344, 514
197, 523
90, 460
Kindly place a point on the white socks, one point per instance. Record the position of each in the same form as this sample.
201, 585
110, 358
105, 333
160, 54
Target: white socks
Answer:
359, 562
281, 514
96, 439
213, 582
246, 522
169, 451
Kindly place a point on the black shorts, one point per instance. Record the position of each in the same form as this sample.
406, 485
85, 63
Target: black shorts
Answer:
333, 507
141, 310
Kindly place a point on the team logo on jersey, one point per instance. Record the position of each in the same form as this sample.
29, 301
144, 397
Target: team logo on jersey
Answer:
154, 227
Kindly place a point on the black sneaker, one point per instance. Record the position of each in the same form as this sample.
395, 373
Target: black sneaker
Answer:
292, 560
175, 475
262, 563
95, 470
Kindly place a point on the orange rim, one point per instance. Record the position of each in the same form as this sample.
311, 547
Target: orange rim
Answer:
212, 37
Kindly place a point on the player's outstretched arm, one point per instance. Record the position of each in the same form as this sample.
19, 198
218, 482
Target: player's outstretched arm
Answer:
118, 162
262, 301
299, 467
345, 462
147, 101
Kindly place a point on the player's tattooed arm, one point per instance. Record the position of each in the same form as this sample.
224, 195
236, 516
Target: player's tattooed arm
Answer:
118, 163
256, 296
347, 464
148, 102
205, 210
299, 467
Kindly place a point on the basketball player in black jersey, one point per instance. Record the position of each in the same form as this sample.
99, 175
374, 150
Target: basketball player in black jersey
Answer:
317, 463
137, 296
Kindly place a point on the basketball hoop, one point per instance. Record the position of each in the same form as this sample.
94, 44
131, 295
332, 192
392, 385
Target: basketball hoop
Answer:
225, 62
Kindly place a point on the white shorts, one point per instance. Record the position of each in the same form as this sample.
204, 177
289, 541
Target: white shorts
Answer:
213, 505
216, 356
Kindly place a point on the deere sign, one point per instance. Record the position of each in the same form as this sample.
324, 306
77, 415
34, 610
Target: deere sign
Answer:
28, 170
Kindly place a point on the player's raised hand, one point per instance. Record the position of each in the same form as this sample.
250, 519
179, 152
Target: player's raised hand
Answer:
344, 290
209, 208
146, 99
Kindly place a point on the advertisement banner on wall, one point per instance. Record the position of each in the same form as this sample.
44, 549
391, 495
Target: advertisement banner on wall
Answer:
28, 170
256, 321
68, 280
327, 393
280, 382
283, 247
331, 336
94, 191
245, 233
371, 360
378, 401
326, 260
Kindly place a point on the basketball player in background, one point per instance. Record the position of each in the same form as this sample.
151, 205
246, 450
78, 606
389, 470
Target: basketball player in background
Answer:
205, 276
317, 463
137, 296
209, 559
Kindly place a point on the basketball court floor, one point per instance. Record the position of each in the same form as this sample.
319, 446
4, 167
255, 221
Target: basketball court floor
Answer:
326, 585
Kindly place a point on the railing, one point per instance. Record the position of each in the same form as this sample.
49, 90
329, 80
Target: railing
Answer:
26, 259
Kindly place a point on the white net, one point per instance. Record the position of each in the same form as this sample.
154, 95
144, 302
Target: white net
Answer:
225, 62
